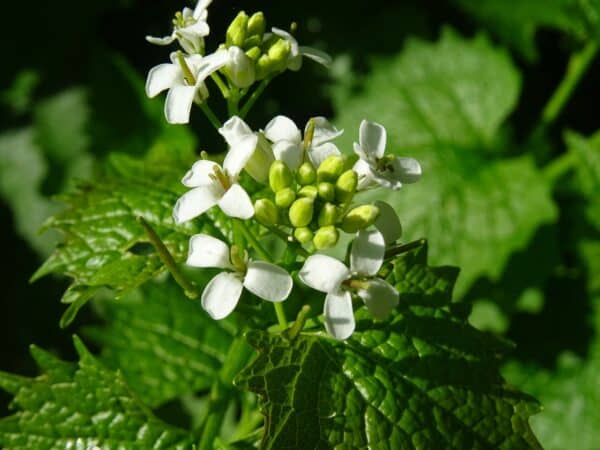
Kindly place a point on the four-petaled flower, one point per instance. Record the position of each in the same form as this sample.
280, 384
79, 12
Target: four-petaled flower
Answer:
299, 51
289, 147
329, 275
189, 28
222, 293
373, 168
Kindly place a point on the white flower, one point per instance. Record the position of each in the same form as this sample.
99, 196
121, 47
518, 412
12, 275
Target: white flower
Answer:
189, 28
184, 78
387, 222
215, 185
222, 293
241, 140
297, 51
373, 168
327, 274
289, 147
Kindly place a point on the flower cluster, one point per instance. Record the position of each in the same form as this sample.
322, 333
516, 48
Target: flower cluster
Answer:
309, 194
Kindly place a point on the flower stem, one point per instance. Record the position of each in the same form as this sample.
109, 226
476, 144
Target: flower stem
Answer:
220, 84
255, 95
210, 115
280, 313
296, 328
399, 249
168, 260
559, 166
576, 68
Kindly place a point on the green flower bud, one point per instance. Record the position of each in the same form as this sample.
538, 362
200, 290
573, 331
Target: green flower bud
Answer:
252, 41
301, 212
285, 197
326, 191
331, 169
306, 174
236, 33
240, 68
303, 235
327, 215
257, 25
326, 237
254, 53
345, 186
308, 191
360, 218
280, 176
266, 212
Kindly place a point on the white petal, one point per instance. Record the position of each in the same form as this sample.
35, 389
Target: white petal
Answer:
239, 154
200, 9
323, 273
321, 152
289, 152
294, 50
366, 256
195, 31
199, 174
365, 174
316, 55
234, 130
364, 156
208, 251
167, 40
162, 77
388, 222
221, 295
339, 315
324, 131
372, 138
407, 170
380, 297
211, 63
236, 203
178, 104
282, 128
195, 202
268, 281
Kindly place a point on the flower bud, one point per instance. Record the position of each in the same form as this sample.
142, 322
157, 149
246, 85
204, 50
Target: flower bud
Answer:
330, 169
285, 197
326, 237
309, 191
306, 174
303, 235
327, 215
345, 186
254, 53
256, 25
326, 191
301, 212
240, 68
280, 176
360, 218
236, 33
279, 53
266, 212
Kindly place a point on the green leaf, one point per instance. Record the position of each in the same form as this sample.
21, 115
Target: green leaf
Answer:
443, 104
425, 379
80, 406
164, 344
518, 22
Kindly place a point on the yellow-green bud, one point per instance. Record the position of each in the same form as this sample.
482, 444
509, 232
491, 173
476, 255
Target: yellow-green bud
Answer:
285, 197
345, 186
236, 33
279, 53
266, 212
331, 169
360, 218
326, 237
252, 41
327, 215
308, 191
306, 174
303, 235
257, 25
326, 191
280, 176
254, 53
301, 212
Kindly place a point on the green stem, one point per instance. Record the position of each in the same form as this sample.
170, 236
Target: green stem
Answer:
298, 325
220, 84
559, 166
210, 115
399, 249
576, 68
255, 95
280, 313
238, 355
168, 260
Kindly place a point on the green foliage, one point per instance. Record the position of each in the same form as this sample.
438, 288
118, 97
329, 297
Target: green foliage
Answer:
425, 379
163, 343
443, 104
80, 406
